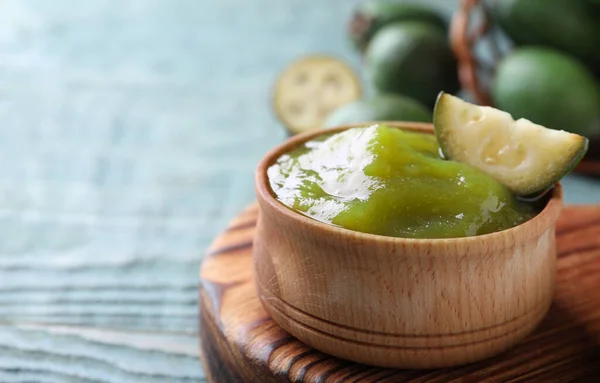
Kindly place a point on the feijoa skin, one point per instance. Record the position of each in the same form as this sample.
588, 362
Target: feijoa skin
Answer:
549, 88
570, 26
380, 107
370, 16
413, 59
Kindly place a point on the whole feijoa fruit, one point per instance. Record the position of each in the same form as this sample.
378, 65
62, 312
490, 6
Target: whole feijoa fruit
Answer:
370, 16
411, 58
381, 107
572, 26
550, 88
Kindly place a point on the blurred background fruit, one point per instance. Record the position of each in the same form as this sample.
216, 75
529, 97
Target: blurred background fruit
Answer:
381, 107
549, 88
536, 59
411, 58
370, 16
567, 25
310, 88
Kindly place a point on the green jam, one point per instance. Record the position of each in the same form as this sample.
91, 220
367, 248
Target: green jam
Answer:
391, 182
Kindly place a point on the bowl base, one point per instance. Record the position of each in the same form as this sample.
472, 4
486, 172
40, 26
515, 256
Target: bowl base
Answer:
241, 343
399, 350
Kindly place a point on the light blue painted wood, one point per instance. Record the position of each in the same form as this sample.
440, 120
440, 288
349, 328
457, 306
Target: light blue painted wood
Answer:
129, 131
99, 355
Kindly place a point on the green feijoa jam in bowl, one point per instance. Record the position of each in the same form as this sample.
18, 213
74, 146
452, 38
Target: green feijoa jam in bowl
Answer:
383, 180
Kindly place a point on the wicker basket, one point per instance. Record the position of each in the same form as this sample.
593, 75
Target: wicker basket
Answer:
469, 30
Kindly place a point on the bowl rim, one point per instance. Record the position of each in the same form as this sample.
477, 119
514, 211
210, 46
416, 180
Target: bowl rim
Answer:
549, 213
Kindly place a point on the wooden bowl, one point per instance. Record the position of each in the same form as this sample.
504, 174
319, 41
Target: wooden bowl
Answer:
396, 302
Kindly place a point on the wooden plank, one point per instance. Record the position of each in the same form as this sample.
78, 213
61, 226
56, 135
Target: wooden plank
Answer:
240, 341
62, 353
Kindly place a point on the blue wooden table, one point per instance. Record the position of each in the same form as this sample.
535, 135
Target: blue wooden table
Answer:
129, 131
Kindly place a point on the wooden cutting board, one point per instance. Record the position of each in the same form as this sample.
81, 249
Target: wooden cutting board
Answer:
240, 343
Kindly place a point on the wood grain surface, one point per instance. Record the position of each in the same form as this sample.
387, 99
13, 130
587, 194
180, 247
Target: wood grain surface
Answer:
242, 344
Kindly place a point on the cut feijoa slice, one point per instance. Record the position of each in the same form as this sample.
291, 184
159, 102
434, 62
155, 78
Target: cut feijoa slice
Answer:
526, 157
309, 89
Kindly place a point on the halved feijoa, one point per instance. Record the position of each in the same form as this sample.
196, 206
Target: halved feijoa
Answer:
309, 89
526, 157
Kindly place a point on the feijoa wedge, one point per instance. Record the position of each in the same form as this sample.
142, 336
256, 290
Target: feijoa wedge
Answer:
526, 157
